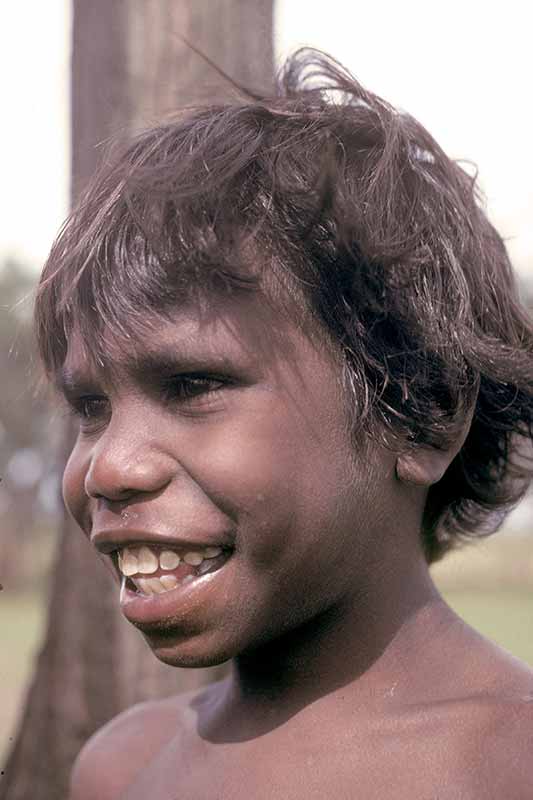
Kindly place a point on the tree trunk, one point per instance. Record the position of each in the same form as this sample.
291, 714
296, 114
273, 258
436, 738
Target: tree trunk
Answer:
130, 66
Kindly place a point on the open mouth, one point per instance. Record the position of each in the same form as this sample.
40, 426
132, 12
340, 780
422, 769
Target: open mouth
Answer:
148, 570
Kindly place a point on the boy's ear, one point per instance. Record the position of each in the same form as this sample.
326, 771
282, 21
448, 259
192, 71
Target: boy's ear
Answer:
426, 465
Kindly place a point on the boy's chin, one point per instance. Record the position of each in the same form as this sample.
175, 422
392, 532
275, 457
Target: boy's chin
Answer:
186, 655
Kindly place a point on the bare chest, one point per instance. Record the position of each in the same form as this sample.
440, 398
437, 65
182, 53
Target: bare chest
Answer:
351, 767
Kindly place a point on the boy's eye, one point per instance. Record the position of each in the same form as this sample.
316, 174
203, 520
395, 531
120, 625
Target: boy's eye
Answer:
200, 388
91, 410
187, 391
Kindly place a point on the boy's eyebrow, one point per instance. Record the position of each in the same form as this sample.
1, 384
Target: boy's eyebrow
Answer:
142, 365
169, 360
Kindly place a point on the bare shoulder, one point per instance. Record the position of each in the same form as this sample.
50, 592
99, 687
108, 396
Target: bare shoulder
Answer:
509, 737
497, 723
504, 750
476, 710
112, 757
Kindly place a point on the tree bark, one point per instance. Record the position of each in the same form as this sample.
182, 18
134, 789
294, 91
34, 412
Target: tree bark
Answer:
130, 67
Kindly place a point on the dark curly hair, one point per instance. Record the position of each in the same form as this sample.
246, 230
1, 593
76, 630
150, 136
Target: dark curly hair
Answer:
351, 206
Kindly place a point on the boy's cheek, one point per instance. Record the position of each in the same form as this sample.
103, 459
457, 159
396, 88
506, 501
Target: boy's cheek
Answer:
272, 485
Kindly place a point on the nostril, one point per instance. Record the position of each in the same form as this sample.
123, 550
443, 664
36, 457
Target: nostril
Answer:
112, 493
111, 479
124, 463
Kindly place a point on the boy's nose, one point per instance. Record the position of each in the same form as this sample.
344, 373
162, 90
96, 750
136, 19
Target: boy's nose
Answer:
120, 469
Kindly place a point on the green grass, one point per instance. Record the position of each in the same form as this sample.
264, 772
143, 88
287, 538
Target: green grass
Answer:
504, 615
21, 626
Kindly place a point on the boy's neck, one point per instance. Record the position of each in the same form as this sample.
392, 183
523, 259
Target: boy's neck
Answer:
362, 650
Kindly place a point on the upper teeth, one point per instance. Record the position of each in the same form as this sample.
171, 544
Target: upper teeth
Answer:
169, 559
146, 561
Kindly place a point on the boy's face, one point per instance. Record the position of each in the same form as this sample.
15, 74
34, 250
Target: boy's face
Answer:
226, 429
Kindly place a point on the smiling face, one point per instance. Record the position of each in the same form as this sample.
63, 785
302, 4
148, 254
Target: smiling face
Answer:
225, 430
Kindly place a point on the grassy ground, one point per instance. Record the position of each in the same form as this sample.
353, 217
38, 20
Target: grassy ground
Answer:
504, 615
21, 624
487, 587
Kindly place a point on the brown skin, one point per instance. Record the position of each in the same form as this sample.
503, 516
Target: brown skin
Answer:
351, 676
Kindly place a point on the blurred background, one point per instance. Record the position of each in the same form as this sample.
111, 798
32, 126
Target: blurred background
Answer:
463, 69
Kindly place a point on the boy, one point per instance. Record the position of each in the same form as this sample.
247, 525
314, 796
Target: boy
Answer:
292, 341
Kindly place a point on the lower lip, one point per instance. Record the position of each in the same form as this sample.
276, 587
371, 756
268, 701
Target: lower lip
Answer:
181, 602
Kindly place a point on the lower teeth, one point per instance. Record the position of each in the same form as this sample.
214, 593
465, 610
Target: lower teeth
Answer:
144, 591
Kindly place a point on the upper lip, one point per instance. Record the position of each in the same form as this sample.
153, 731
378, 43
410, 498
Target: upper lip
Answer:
107, 540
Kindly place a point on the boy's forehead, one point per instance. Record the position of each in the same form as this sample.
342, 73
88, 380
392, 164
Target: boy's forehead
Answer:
246, 329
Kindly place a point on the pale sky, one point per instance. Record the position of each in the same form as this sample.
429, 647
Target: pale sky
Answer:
34, 136
462, 68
